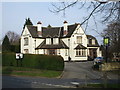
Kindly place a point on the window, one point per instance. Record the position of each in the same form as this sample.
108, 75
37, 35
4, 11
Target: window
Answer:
79, 39
26, 41
80, 52
66, 52
26, 51
48, 40
87, 41
37, 51
58, 51
55, 40
93, 41
52, 52
90, 41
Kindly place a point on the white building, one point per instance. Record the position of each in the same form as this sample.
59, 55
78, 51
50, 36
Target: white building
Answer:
67, 41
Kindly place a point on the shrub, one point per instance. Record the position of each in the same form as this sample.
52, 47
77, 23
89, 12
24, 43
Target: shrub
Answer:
49, 62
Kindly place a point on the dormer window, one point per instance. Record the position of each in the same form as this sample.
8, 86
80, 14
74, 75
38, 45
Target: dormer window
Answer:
55, 41
93, 41
48, 40
90, 41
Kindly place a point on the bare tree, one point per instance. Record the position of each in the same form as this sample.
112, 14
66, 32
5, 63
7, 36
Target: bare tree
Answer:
13, 37
113, 32
110, 10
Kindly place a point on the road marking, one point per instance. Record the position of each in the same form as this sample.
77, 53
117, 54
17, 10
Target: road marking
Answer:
34, 82
75, 83
58, 85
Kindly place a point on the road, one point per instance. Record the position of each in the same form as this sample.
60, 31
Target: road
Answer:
75, 73
81, 70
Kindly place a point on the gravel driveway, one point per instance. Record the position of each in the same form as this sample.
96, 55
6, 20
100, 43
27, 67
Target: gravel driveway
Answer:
81, 70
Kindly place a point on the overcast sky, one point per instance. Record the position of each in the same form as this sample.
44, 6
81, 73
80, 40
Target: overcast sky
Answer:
15, 13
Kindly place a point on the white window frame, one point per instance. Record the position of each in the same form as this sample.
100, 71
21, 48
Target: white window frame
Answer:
79, 39
93, 41
48, 41
81, 52
55, 41
26, 51
66, 52
26, 41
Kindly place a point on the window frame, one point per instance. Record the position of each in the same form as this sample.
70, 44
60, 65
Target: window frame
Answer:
80, 52
79, 39
49, 41
26, 41
55, 41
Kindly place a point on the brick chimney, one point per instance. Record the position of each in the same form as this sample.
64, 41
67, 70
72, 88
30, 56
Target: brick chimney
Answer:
39, 28
65, 28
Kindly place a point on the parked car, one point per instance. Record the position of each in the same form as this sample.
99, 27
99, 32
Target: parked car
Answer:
98, 60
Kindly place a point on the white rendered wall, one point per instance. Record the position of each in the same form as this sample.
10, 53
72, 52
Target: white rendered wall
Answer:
29, 46
73, 43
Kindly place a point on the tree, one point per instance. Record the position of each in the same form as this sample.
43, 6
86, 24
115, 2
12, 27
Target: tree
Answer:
13, 38
109, 10
27, 22
6, 44
113, 32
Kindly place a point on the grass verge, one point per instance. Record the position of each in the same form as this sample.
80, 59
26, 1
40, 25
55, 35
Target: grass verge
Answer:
21, 71
102, 85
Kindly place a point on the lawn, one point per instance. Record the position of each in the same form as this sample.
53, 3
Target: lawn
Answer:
22, 71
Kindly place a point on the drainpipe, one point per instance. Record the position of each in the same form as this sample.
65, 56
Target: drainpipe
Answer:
69, 48
35, 45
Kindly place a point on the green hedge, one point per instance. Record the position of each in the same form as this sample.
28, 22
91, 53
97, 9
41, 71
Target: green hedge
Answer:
49, 62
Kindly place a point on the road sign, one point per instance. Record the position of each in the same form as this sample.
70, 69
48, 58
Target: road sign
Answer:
19, 56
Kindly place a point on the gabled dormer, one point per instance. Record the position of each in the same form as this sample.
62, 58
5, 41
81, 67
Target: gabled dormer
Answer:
48, 40
92, 42
55, 40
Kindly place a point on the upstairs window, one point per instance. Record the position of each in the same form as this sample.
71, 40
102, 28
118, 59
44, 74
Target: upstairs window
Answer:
93, 41
90, 41
79, 40
48, 40
55, 41
25, 41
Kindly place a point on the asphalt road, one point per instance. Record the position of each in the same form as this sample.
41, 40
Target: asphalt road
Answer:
83, 70
75, 73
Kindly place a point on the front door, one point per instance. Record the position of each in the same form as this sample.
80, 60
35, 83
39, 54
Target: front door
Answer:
93, 53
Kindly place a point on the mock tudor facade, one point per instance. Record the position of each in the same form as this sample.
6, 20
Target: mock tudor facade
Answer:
67, 41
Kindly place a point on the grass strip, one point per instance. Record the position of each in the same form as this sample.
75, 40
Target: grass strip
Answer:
21, 71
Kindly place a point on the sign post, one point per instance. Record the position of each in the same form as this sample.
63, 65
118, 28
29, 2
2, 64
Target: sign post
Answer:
106, 43
19, 56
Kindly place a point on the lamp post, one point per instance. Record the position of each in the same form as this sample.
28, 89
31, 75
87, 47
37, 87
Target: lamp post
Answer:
106, 43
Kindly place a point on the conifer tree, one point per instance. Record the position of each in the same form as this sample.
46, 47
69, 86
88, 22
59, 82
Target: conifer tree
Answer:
6, 44
27, 22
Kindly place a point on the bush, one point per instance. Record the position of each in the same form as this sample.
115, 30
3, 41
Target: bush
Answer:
48, 62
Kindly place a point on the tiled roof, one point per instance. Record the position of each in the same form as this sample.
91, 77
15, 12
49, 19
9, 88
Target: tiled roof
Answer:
61, 45
32, 30
52, 31
79, 46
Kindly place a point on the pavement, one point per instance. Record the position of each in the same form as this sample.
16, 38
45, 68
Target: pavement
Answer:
75, 73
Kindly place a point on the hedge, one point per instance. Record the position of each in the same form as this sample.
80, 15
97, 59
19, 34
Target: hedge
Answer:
48, 62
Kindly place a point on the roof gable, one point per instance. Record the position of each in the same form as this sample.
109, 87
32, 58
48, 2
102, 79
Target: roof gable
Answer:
25, 31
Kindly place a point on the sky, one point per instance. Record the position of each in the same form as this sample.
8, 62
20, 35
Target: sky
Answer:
15, 13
